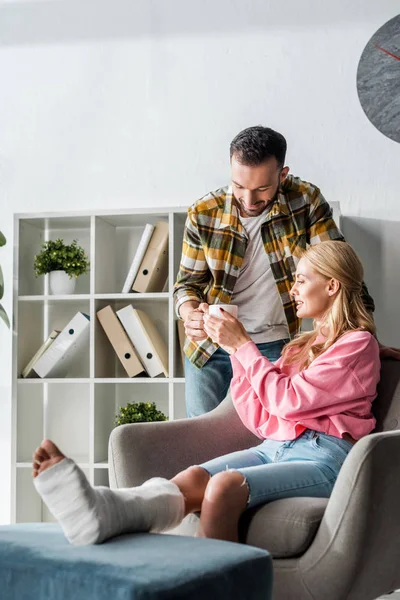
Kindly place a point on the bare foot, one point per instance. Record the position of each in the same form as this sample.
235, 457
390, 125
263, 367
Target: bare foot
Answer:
45, 456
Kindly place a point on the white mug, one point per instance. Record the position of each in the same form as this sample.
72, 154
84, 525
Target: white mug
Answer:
214, 310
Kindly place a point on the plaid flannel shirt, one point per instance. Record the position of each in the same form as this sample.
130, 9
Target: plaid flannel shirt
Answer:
214, 244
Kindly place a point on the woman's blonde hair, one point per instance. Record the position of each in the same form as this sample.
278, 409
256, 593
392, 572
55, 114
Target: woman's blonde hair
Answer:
337, 260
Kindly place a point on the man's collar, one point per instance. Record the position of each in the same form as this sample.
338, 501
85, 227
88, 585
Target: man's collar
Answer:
279, 205
231, 216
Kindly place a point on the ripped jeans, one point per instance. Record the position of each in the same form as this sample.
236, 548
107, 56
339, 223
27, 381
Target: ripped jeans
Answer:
306, 466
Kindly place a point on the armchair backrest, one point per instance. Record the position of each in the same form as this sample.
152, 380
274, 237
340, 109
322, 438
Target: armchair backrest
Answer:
386, 406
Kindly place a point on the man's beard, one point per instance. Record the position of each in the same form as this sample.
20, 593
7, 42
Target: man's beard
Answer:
258, 209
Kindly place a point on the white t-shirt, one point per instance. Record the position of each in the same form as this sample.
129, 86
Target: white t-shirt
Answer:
260, 307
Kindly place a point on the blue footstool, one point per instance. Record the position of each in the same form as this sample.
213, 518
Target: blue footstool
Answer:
37, 563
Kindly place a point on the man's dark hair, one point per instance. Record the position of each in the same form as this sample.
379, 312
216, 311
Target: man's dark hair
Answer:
255, 145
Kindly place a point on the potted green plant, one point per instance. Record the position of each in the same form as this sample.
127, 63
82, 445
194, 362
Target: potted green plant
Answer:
3, 313
139, 412
64, 263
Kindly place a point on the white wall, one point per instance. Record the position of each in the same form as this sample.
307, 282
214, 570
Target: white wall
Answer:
114, 104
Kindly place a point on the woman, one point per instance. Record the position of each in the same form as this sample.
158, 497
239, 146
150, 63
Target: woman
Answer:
308, 408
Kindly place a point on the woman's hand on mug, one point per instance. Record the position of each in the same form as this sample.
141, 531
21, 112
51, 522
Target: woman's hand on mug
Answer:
226, 331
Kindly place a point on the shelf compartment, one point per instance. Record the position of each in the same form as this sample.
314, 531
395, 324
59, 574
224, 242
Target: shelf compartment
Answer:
59, 315
29, 421
104, 415
33, 233
179, 404
67, 419
116, 240
28, 503
38, 319
179, 220
107, 363
109, 398
31, 319
100, 477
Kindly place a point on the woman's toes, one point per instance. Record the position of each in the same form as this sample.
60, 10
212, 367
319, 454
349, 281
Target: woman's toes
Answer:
40, 455
51, 449
45, 456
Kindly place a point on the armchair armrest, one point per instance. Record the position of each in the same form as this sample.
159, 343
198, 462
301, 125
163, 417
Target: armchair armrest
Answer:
359, 534
139, 451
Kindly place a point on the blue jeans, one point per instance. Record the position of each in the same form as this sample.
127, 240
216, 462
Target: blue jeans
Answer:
205, 388
307, 466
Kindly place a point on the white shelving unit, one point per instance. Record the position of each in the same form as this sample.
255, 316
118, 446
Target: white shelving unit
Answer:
78, 412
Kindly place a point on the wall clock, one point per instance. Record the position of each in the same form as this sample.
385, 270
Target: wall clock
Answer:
378, 79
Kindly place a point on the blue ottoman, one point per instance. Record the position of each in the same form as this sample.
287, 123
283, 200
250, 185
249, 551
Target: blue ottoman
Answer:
37, 563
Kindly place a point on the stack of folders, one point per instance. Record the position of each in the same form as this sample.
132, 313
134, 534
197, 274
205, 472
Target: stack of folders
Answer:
54, 357
137, 342
149, 268
148, 342
120, 341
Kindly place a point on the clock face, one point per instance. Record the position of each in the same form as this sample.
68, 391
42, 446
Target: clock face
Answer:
378, 79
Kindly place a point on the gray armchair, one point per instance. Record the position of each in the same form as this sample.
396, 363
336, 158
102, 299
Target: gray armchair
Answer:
346, 547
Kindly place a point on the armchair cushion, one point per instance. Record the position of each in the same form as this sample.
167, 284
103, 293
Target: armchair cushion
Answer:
286, 527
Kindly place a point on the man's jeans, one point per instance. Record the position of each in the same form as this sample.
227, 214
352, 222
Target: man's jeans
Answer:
205, 388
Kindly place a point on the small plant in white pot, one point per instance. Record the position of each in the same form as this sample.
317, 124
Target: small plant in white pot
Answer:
63, 262
139, 412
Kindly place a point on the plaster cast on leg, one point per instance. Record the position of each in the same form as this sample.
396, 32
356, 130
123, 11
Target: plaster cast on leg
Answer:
90, 515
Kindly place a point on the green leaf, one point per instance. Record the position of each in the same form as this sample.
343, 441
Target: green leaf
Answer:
3, 315
1, 284
2, 239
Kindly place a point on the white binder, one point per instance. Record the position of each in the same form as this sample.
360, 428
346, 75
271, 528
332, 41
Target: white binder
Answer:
146, 339
137, 259
56, 360
29, 367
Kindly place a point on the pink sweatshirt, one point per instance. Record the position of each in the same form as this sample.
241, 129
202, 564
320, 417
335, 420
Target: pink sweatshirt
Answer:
333, 395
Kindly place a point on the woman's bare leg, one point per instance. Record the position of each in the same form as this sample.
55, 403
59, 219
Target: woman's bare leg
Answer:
192, 482
225, 499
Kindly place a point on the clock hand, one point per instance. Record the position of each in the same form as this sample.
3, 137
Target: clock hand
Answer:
387, 52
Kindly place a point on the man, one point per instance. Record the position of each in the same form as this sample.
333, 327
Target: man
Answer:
239, 247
